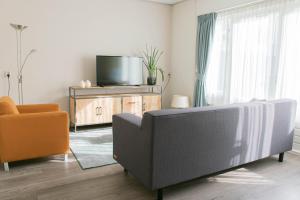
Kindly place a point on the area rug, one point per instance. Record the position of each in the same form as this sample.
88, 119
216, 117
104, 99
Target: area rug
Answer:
93, 147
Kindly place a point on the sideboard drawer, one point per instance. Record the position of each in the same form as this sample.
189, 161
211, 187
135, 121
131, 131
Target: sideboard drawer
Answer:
151, 102
133, 105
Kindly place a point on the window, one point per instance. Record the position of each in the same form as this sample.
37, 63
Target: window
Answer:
256, 54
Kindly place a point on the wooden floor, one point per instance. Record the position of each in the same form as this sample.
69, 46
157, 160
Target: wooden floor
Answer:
53, 179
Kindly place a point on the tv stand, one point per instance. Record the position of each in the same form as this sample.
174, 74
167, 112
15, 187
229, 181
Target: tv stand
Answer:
97, 105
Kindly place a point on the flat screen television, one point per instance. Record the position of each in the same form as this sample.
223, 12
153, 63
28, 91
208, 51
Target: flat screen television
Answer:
119, 70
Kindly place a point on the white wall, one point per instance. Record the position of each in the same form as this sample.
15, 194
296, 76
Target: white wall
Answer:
183, 48
68, 34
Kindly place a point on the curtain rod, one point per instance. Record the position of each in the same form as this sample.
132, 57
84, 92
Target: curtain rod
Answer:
240, 6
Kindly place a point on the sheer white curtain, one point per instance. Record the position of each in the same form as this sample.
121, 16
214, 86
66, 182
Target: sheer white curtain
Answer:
256, 54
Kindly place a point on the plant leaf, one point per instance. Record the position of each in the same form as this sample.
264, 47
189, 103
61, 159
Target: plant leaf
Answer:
151, 58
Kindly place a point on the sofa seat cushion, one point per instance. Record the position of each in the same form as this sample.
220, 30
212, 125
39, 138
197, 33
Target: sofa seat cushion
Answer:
8, 106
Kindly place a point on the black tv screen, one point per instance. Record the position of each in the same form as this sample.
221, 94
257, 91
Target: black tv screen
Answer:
119, 70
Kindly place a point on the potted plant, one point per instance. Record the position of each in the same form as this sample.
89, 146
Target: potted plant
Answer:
150, 59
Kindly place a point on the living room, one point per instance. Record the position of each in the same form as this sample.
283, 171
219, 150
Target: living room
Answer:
149, 99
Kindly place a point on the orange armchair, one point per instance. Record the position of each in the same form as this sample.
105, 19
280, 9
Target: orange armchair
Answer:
36, 131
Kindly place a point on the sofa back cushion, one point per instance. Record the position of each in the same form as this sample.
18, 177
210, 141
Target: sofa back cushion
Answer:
8, 106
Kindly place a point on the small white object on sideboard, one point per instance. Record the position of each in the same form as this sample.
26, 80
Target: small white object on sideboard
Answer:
88, 84
82, 84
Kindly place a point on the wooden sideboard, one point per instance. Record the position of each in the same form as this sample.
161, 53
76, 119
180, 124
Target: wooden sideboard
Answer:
97, 105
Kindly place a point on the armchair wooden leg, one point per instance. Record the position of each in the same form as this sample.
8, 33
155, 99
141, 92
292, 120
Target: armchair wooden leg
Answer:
66, 157
160, 194
6, 167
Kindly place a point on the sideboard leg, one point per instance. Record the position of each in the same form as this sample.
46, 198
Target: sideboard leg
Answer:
160, 194
281, 155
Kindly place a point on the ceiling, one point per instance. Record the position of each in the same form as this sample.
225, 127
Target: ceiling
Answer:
167, 1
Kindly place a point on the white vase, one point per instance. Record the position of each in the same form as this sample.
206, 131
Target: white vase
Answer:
82, 84
88, 84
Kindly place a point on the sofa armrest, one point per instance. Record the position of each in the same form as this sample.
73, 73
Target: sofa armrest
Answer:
129, 119
126, 130
33, 135
38, 108
131, 146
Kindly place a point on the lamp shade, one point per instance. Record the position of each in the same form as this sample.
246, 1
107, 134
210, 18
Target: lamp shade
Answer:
179, 101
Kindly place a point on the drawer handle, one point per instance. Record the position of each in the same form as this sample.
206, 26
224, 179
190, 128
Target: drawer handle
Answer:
99, 111
131, 102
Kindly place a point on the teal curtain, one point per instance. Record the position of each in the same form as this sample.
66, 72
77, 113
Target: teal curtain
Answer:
205, 30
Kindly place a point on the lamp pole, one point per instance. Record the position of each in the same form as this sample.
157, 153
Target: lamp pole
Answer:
20, 65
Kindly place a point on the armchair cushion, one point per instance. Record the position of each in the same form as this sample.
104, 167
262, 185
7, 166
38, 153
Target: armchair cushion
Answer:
7, 106
37, 108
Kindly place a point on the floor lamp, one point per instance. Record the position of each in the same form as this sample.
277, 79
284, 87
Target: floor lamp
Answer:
20, 63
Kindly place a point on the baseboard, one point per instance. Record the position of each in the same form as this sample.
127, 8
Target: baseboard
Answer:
296, 152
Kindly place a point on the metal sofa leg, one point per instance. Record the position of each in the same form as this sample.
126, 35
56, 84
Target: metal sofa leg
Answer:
6, 167
160, 194
281, 155
125, 171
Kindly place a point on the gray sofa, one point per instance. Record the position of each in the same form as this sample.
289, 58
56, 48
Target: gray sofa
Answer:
167, 147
